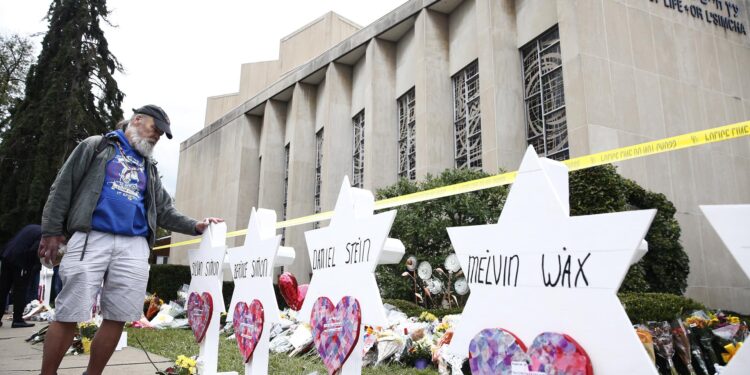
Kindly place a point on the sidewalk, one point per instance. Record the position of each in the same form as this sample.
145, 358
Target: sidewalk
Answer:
20, 357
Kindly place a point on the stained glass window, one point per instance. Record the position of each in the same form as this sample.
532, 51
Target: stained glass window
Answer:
318, 170
467, 120
358, 153
406, 137
286, 190
546, 127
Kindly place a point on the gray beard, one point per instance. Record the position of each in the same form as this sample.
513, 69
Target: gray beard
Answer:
143, 146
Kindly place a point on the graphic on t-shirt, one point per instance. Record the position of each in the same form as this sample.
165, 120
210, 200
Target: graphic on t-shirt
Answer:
126, 176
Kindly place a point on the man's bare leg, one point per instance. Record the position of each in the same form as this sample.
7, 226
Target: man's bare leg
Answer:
104, 344
57, 341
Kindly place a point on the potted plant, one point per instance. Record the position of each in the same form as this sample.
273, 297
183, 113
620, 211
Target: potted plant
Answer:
419, 354
87, 331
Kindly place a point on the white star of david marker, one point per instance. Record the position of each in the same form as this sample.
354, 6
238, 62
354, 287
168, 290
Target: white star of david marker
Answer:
252, 268
252, 265
344, 255
540, 270
730, 222
206, 264
206, 269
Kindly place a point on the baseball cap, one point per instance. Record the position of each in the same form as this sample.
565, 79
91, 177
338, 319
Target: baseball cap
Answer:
160, 117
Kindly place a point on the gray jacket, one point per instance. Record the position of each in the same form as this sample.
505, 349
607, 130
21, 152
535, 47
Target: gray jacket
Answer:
75, 193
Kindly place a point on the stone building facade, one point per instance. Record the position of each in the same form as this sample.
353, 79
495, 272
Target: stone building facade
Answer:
438, 84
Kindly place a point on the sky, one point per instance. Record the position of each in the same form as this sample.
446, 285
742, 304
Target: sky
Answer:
178, 53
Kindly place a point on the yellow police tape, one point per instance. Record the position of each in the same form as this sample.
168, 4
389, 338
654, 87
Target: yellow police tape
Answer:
722, 133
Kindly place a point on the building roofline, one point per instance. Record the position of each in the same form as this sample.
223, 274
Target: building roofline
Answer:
381, 25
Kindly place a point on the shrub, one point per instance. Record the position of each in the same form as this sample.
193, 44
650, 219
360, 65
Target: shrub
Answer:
644, 307
665, 267
412, 309
166, 279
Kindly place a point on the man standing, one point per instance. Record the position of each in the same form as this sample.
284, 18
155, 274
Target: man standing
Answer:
109, 196
19, 263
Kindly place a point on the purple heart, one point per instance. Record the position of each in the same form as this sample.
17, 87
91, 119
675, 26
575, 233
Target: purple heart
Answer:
335, 330
497, 351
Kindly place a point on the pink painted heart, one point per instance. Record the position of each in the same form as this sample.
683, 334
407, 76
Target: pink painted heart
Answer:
497, 351
335, 330
199, 310
248, 326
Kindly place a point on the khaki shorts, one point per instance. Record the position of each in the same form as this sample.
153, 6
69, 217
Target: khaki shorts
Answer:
119, 262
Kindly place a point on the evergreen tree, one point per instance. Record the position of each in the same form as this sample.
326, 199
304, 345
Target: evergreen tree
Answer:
16, 55
70, 95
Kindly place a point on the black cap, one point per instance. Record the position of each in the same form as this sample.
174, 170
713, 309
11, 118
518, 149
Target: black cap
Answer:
160, 117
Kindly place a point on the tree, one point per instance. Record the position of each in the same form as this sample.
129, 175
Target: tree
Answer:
421, 226
70, 95
15, 59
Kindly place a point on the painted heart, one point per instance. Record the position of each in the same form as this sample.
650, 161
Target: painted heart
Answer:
199, 310
335, 330
248, 326
497, 351
293, 295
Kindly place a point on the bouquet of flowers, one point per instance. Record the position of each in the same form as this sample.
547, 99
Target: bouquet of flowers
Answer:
182, 366
647, 340
702, 340
729, 333
151, 305
664, 345
682, 343
87, 331
419, 354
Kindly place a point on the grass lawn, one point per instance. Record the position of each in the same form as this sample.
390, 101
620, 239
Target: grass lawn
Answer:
172, 342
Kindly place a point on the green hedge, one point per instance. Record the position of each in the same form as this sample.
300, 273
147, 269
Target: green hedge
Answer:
412, 309
166, 279
644, 307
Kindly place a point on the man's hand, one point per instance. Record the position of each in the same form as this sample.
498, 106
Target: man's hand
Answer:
202, 225
49, 246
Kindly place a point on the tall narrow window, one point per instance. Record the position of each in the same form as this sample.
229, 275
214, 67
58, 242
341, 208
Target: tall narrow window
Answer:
286, 190
406, 137
318, 170
546, 125
358, 153
467, 122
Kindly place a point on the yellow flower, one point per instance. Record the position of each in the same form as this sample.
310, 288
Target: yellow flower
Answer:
731, 350
734, 320
192, 370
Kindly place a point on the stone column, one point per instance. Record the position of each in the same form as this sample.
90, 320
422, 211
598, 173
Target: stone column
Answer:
381, 122
301, 138
249, 171
271, 160
337, 133
433, 94
500, 85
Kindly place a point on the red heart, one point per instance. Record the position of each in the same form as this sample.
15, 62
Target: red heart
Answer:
293, 295
199, 311
335, 330
248, 326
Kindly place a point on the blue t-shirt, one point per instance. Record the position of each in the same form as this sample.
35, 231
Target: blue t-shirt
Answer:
121, 208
